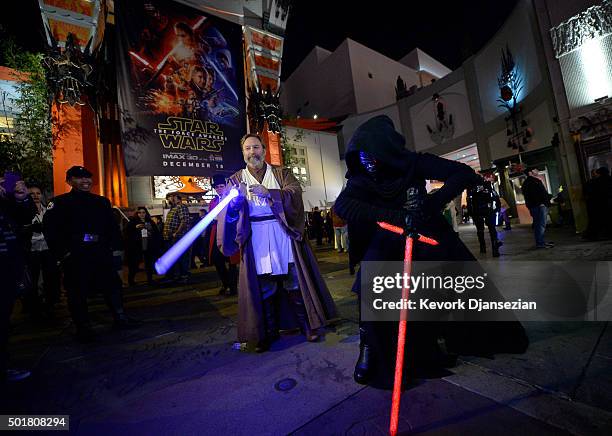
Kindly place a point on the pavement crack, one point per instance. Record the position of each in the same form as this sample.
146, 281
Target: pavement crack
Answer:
314, 418
526, 383
582, 375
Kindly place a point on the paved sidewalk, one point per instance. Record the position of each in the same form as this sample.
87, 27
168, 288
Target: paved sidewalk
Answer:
178, 374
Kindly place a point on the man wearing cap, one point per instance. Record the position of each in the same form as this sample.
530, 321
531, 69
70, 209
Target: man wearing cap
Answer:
175, 227
229, 277
82, 234
266, 225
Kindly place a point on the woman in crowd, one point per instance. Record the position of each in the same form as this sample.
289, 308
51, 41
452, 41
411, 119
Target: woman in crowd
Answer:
41, 262
143, 241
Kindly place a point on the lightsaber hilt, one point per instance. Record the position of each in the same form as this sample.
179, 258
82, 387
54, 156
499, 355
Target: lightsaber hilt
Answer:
410, 233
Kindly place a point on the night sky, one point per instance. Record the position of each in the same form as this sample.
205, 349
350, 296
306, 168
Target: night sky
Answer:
22, 21
450, 31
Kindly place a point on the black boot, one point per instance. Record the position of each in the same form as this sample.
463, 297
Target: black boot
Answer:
270, 319
495, 244
270, 312
295, 296
364, 365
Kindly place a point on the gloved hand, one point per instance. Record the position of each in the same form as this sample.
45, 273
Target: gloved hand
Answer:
414, 220
415, 215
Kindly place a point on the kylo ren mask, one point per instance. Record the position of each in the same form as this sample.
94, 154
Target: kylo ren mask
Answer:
369, 164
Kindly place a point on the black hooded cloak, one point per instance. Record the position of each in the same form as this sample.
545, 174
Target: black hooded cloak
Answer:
366, 201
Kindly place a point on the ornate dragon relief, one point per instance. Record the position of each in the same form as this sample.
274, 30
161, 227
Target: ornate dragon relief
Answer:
595, 22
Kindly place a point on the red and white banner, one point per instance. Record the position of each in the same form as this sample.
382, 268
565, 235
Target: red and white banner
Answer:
264, 51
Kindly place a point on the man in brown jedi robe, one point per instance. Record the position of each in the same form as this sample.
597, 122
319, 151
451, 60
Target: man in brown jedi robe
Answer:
266, 224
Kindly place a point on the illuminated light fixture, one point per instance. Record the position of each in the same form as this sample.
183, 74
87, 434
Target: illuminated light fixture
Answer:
315, 116
594, 68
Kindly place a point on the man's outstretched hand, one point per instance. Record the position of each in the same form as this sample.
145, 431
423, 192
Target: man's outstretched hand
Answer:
260, 191
237, 202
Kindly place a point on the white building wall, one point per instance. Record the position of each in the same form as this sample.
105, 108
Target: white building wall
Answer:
338, 83
324, 166
423, 114
543, 131
324, 81
587, 73
418, 60
350, 124
379, 90
517, 33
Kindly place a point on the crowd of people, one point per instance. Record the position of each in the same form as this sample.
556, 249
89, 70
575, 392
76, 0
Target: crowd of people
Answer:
259, 245
326, 225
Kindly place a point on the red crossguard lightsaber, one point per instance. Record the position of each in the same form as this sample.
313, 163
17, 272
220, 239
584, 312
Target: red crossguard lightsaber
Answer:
401, 334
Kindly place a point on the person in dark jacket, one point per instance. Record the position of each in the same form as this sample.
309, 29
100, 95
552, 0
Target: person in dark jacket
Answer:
41, 263
15, 217
199, 248
386, 183
317, 225
537, 200
82, 234
483, 205
143, 243
604, 192
598, 196
329, 227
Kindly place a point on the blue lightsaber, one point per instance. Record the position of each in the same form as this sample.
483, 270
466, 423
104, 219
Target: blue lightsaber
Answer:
168, 259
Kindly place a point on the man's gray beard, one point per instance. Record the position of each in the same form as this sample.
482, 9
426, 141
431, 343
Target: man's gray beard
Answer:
253, 162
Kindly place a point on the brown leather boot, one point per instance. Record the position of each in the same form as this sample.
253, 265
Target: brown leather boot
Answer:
300, 312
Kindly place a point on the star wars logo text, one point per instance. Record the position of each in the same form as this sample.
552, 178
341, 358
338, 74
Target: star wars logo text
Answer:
188, 134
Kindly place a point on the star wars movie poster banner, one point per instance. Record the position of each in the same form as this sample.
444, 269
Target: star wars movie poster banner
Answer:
181, 89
